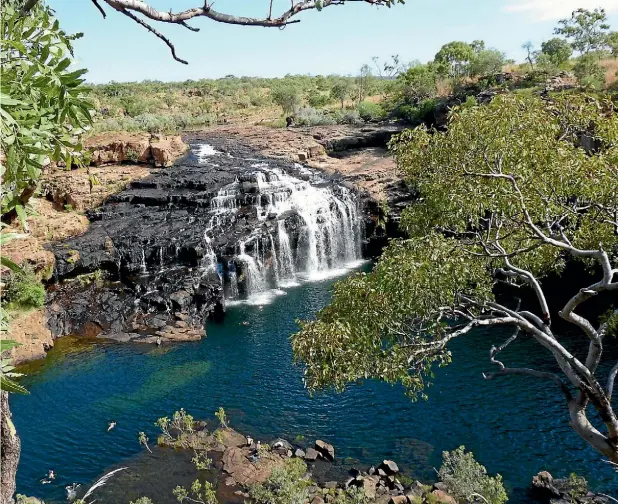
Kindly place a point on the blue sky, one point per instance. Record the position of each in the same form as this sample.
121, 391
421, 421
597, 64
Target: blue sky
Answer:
337, 40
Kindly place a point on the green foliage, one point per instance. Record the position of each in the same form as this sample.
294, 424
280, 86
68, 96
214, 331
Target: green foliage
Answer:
317, 99
487, 62
557, 50
24, 291
7, 373
341, 90
142, 500
589, 71
585, 30
42, 106
307, 116
286, 485
346, 116
471, 101
353, 495
181, 423
612, 43
201, 461
201, 493
454, 59
418, 83
143, 440
578, 486
389, 324
287, 97
466, 479
370, 112
222, 417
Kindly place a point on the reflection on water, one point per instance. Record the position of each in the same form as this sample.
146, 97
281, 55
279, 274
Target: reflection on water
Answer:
245, 365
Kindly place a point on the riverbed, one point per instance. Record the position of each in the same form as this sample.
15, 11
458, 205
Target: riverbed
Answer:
515, 426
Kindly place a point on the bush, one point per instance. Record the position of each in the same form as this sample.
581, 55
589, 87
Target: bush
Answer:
285, 485
24, 291
464, 477
346, 117
311, 117
589, 71
370, 112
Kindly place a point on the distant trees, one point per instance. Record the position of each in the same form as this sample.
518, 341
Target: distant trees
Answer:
585, 30
287, 97
364, 83
557, 50
453, 59
341, 90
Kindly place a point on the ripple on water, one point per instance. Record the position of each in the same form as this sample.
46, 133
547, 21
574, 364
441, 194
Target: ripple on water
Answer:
245, 365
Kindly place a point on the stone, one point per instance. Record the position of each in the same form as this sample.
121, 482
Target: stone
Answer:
389, 467
299, 453
327, 450
280, 443
302, 156
311, 455
330, 484
317, 500
381, 472
442, 497
440, 486
370, 484
371, 471
398, 499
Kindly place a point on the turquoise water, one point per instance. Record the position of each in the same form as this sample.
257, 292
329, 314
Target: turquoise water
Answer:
515, 426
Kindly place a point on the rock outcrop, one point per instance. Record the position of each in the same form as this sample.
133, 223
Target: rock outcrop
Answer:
116, 148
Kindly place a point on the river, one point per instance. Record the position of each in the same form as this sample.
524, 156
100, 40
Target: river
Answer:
514, 426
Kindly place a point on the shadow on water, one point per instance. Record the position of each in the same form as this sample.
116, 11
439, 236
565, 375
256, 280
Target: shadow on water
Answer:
514, 426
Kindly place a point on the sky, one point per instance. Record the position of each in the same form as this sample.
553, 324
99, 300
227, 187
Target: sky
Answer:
337, 40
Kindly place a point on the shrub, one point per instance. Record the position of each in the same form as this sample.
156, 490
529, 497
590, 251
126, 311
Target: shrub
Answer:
24, 290
370, 112
311, 117
589, 71
286, 485
487, 62
346, 117
465, 478
578, 486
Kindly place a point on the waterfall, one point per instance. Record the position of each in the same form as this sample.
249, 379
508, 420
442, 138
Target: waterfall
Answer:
300, 230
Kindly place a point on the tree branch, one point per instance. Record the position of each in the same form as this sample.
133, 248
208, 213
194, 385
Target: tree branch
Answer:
532, 372
155, 32
96, 3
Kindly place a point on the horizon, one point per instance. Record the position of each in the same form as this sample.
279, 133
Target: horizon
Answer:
415, 31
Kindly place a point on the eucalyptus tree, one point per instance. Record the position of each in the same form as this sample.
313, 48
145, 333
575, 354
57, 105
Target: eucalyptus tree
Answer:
585, 30
42, 107
454, 58
507, 196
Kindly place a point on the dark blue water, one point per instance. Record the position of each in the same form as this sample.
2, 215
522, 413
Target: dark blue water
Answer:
515, 426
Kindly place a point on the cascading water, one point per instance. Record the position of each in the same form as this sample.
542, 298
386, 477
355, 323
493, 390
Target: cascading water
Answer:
305, 229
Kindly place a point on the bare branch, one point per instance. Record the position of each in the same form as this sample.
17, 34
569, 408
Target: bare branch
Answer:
98, 6
532, 372
610, 381
155, 32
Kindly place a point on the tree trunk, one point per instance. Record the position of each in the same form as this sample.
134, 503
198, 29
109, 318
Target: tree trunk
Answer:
11, 448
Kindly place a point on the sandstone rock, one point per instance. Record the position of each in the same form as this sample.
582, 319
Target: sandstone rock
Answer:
281, 444
311, 455
327, 450
165, 150
442, 497
317, 500
112, 148
398, 499
389, 467
299, 453
231, 439
369, 486
330, 484
30, 330
302, 156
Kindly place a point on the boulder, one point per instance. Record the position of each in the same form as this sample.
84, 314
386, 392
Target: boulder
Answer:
369, 486
281, 444
389, 467
330, 484
166, 149
398, 499
299, 453
317, 500
442, 497
311, 455
327, 450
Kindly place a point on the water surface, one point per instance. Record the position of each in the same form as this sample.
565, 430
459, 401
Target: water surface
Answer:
515, 426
